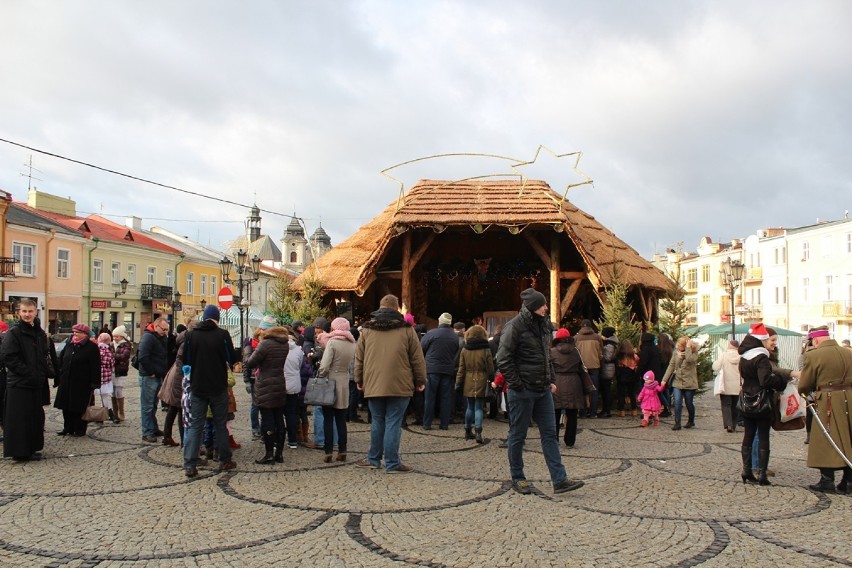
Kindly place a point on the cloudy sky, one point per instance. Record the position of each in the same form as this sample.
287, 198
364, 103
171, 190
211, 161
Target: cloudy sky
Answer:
694, 118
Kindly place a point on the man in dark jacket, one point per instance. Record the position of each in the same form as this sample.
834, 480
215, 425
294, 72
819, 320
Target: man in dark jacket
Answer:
524, 359
440, 348
25, 352
153, 356
209, 351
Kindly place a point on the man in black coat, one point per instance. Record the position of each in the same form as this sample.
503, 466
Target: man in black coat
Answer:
524, 359
153, 359
25, 354
209, 351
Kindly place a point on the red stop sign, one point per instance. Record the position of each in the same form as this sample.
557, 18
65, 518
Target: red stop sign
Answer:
226, 298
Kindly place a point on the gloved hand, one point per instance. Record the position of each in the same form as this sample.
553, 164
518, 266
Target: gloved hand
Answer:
248, 388
459, 386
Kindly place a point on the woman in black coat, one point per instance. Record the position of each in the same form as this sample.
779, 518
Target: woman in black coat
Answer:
570, 376
79, 375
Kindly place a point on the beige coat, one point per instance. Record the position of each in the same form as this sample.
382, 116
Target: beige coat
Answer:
829, 364
388, 359
729, 363
684, 366
335, 363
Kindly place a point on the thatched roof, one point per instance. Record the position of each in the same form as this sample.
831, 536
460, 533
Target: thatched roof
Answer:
481, 206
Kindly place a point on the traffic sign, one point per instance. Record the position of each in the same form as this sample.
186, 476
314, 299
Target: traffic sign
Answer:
226, 298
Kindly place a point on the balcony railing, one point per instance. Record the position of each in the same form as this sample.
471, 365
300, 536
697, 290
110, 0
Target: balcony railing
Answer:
837, 310
7, 268
155, 292
755, 273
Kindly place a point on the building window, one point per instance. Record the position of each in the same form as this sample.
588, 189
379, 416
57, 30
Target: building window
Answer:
829, 288
213, 288
806, 251
705, 273
780, 294
63, 260
784, 255
692, 305
294, 257
116, 272
98, 270
806, 290
203, 284
24, 259
848, 243
169, 278
692, 279
705, 304
190, 283
152, 275
131, 274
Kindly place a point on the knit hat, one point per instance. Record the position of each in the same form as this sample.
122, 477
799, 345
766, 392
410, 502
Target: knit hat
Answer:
608, 331
445, 319
268, 322
211, 312
296, 325
648, 377
586, 323
120, 331
562, 333
83, 328
4, 327
321, 323
533, 299
758, 331
340, 324
409, 318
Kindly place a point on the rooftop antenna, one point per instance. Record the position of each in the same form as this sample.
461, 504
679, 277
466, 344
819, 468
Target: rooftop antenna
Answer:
29, 174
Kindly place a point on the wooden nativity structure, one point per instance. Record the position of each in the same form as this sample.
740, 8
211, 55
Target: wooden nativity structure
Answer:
469, 248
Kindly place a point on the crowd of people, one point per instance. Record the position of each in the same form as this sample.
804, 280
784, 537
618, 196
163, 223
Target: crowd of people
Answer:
535, 374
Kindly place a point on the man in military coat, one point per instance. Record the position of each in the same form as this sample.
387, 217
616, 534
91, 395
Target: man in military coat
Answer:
827, 374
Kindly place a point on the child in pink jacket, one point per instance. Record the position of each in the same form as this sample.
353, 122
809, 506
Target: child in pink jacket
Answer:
649, 400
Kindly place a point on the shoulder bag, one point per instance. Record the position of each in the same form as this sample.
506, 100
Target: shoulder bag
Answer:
321, 391
754, 405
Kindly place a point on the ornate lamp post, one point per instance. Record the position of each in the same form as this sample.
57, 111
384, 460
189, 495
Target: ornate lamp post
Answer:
176, 307
247, 272
732, 276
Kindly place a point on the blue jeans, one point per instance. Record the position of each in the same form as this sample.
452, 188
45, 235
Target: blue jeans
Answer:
254, 414
148, 387
192, 443
592, 409
386, 429
474, 413
524, 405
665, 397
441, 387
681, 396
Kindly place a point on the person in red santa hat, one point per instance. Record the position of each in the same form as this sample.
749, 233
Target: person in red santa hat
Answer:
756, 373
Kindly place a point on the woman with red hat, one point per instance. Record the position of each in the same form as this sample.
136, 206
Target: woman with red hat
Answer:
757, 375
570, 376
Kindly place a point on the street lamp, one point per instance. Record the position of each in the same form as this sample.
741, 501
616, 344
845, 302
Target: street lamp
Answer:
732, 276
123, 285
247, 272
176, 306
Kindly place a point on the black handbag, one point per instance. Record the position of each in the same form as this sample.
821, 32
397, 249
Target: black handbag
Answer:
754, 405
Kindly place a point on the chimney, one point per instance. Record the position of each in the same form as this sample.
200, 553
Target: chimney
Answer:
133, 222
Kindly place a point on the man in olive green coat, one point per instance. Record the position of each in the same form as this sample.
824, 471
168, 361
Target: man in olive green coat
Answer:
827, 373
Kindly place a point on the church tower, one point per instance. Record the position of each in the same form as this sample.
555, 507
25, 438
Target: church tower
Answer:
320, 242
294, 247
253, 224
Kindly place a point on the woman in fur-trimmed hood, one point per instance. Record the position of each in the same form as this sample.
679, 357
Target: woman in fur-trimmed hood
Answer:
476, 370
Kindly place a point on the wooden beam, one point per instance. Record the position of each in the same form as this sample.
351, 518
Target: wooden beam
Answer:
539, 250
572, 275
418, 254
554, 276
406, 272
569, 296
642, 303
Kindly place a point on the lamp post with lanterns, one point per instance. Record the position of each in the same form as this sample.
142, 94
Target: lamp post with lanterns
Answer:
247, 272
176, 307
732, 277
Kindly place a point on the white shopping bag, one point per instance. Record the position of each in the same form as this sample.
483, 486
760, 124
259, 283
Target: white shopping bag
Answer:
791, 405
719, 383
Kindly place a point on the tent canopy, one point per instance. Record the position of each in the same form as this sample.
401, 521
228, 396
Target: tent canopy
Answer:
789, 341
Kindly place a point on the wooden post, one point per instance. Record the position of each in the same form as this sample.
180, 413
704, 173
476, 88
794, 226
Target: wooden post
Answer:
406, 272
555, 311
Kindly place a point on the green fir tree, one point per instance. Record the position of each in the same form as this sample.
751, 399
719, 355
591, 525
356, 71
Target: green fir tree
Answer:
617, 312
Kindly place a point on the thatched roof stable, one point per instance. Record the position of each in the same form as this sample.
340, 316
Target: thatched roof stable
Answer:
481, 206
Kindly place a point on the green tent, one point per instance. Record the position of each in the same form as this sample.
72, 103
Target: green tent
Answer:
789, 341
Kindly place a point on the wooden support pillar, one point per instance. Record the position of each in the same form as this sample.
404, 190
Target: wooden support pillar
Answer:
406, 272
555, 310
569, 296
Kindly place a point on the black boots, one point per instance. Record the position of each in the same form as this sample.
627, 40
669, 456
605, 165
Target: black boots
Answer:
762, 463
479, 439
468, 433
845, 485
689, 423
279, 447
113, 417
747, 475
826, 481
676, 425
269, 444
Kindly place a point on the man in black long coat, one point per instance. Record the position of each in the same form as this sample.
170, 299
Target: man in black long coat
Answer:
25, 354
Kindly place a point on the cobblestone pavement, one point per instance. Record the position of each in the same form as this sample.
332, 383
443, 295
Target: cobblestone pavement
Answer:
653, 497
